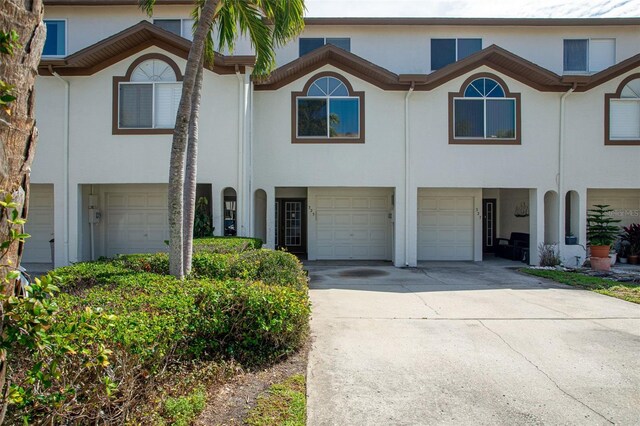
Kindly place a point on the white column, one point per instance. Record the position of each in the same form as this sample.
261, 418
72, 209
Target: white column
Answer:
271, 217
536, 223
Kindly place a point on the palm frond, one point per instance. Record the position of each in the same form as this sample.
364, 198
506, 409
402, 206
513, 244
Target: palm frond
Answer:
147, 6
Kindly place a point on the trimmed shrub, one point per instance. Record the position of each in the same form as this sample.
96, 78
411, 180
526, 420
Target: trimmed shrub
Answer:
269, 266
136, 322
226, 244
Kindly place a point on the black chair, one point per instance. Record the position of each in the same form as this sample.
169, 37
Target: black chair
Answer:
512, 248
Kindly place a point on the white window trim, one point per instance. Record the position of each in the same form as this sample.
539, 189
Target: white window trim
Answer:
588, 71
66, 37
175, 19
327, 136
153, 103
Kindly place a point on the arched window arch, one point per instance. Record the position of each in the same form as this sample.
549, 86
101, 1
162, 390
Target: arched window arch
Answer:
146, 99
622, 113
484, 112
327, 110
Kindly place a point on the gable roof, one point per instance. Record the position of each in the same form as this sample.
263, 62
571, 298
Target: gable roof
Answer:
585, 83
493, 56
497, 59
339, 58
130, 41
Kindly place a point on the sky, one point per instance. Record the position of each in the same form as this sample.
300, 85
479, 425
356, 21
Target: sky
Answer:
474, 8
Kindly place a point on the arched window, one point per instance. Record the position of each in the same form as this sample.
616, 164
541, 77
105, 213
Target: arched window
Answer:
148, 96
328, 110
623, 115
484, 112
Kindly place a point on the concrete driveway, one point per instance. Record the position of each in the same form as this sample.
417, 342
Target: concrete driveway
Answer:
464, 343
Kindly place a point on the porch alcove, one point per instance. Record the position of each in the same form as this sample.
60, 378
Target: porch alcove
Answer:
572, 217
260, 215
229, 212
551, 218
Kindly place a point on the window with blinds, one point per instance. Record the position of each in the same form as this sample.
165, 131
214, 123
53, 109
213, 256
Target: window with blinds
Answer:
150, 99
624, 113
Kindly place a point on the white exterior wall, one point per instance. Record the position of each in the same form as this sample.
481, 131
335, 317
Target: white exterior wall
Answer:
407, 49
96, 156
401, 49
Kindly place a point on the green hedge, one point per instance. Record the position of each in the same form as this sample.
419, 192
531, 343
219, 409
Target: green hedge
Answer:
226, 244
269, 266
144, 320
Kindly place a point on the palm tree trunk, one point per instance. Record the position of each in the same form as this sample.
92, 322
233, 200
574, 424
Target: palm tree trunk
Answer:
191, 172
18, 134
179, 145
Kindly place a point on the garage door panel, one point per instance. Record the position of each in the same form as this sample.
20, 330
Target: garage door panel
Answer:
39, 225
360, 219
445, 226
342, 219
360, 203
342, 203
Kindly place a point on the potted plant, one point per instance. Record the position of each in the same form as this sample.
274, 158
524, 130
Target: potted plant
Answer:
570, 239
623, 251
601, 230
631, 236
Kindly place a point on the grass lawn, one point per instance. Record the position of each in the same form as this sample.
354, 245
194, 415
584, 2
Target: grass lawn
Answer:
625, 291
283, 404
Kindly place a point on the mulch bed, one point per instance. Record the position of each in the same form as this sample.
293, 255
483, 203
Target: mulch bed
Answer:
229, 403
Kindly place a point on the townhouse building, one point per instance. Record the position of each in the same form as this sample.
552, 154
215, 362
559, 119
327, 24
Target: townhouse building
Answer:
399, 139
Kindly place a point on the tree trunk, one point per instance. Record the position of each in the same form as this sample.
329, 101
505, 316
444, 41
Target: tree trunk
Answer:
18, 134
179, 145
191, 171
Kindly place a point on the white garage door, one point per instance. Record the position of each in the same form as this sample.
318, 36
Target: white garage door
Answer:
136, 219
353, 224
445, 225
39, 224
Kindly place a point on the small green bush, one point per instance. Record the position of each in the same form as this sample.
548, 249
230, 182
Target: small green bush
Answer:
183, 410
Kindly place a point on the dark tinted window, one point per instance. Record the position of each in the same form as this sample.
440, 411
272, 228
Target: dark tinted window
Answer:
575, 55
468, 46
171, 25
309, 44
342, 43
443, 52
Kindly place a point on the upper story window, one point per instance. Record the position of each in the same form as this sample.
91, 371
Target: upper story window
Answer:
56, 42
307, 44
328, 111
445, 51
484, 112
622, 113
146, 99
588, 55
181, 27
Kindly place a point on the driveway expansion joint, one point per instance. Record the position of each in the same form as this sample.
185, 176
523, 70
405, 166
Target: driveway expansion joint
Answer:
544, 373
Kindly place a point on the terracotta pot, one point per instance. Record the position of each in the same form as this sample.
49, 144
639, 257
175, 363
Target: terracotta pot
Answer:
600, 263
600, 251
633, 259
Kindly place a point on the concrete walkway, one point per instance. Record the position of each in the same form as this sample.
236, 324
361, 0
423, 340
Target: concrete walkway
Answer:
464, 343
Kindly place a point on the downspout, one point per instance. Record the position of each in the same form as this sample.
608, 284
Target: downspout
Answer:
561, 166
407, 179
240, 192
65, 140
250, 159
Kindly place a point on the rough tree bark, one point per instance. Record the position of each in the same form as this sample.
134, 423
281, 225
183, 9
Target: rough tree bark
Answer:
18, 134
179, 145
191, 171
